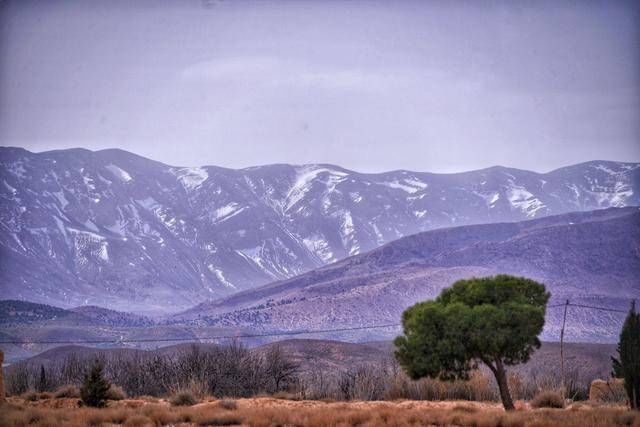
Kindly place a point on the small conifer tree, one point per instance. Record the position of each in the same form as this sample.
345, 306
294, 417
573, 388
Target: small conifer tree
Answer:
628, 364
43, 383
95, 386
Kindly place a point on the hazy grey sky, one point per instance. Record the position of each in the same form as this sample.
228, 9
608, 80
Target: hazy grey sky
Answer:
425, 85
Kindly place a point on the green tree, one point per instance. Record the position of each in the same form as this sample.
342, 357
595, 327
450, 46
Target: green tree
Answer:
493, 320
627, 365
95, 387
616, 366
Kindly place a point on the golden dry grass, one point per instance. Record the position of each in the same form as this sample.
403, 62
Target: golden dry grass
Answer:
266, 412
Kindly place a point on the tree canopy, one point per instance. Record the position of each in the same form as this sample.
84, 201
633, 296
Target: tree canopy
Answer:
95, 387
628, 364
494, 320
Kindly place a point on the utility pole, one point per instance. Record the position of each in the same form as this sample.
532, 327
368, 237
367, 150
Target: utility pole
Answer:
564, 320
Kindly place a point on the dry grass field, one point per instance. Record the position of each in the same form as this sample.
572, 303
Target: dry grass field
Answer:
279, 412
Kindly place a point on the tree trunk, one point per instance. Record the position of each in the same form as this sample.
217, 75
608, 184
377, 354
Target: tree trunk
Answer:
503, 386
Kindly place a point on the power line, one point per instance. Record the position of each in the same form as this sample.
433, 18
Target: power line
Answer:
598, 308
588, 306
556, 305
270, 334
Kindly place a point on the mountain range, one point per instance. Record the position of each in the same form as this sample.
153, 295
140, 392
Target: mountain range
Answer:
114, 229
591, 258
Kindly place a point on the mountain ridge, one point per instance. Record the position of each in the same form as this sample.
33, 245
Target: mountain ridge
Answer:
118, 230
576, 255
120, 151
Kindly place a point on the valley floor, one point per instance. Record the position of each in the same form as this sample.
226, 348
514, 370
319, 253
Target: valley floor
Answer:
267, 411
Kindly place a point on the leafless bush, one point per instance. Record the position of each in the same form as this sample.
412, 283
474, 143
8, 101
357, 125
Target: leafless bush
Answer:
221, 371
237, 371
67, 391
17, 379
362, 383
116, 393
228, 404
548, 399
183, 398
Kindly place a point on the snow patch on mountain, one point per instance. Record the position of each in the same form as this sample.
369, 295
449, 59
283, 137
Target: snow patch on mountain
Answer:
408, 185
305, 177
420, 213
225, 212
347, 231
191, 178
355, 197
255, 256
605, 169
220, 276
16, 168
62, 200
119, 172
10, 188
103, 251
88, 181
317, 245
415, 183
62, 229
489, 198
617, 197
149, 203
520, 198
379, 237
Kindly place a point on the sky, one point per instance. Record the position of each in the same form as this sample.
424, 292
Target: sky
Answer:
439, 86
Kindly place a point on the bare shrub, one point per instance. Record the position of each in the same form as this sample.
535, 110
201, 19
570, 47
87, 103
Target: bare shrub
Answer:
67, 391
216, 419
280, 370
183, 398
611, 391
548, 399
228, 404
31, 396
115, 393
161, 415
283, 395
138, 421
17, 379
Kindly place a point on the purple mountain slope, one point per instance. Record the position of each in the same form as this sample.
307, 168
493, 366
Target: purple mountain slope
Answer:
117, 230
591, 258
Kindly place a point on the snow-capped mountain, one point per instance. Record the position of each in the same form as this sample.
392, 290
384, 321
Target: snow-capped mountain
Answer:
114, 229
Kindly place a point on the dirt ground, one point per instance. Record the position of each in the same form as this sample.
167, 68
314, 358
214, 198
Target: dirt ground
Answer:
267, 411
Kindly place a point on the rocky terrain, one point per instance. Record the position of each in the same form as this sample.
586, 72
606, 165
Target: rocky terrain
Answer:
117, 230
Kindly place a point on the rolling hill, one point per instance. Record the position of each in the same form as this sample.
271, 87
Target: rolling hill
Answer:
588, 257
